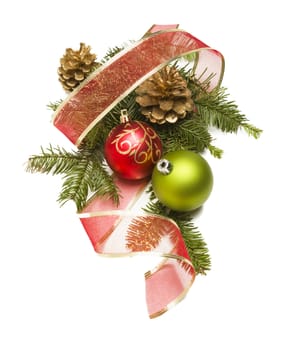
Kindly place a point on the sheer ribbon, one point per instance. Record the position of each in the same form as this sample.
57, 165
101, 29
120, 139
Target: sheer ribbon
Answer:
119, 230
108, 85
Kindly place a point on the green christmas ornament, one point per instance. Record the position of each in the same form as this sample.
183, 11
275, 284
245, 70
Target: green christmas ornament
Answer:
182, 180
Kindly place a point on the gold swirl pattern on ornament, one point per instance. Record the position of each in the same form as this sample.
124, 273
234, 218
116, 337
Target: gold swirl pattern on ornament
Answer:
136, 150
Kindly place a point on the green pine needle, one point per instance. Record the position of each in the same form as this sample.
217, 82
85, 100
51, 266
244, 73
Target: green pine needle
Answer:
111, 53
194, 242
54, 160
77, 184
190, 133
216, 110
251, 130
154, 206
95, 138
87, 177
215, 151
84, 174
54, 105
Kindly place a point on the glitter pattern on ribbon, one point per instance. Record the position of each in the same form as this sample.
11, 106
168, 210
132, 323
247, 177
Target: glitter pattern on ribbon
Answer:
107, 86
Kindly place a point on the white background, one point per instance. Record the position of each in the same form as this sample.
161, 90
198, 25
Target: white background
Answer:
55, 292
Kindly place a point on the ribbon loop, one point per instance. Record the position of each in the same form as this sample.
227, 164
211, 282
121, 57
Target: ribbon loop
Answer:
108, 85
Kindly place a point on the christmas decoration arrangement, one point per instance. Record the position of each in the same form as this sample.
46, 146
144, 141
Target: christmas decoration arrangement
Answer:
140, 120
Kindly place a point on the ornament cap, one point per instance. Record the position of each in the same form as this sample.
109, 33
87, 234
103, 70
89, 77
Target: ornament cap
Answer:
164, 166
124, 117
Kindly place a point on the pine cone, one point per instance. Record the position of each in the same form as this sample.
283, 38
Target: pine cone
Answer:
165, 97
75, 66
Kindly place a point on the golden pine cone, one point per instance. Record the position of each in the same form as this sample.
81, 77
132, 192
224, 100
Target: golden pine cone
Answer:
164, 97
75, 66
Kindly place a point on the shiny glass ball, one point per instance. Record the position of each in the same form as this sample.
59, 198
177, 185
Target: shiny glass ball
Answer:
182, 180
132, 149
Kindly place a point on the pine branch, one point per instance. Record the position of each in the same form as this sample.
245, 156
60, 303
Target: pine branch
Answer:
95, 138
88, 176
84, 173
191, 134
54, 160
197, 85
54, 105
215, 151
111, 52
77, 183
103, 184
129, 103
216, 110
195, 244
154, 206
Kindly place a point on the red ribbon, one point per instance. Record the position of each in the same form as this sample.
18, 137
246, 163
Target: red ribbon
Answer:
107, 86
120, 230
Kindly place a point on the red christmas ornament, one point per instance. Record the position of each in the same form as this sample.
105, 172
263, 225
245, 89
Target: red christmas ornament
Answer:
132, 148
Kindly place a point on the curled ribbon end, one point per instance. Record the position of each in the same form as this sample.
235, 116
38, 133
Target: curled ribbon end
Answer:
168, 285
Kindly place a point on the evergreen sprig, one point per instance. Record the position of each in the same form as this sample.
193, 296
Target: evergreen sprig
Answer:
194, 242
215, 109
111, 52
54, 160
189, 133
87, 177
94, 140
54, 105
77, 183
84, 174
196, 246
